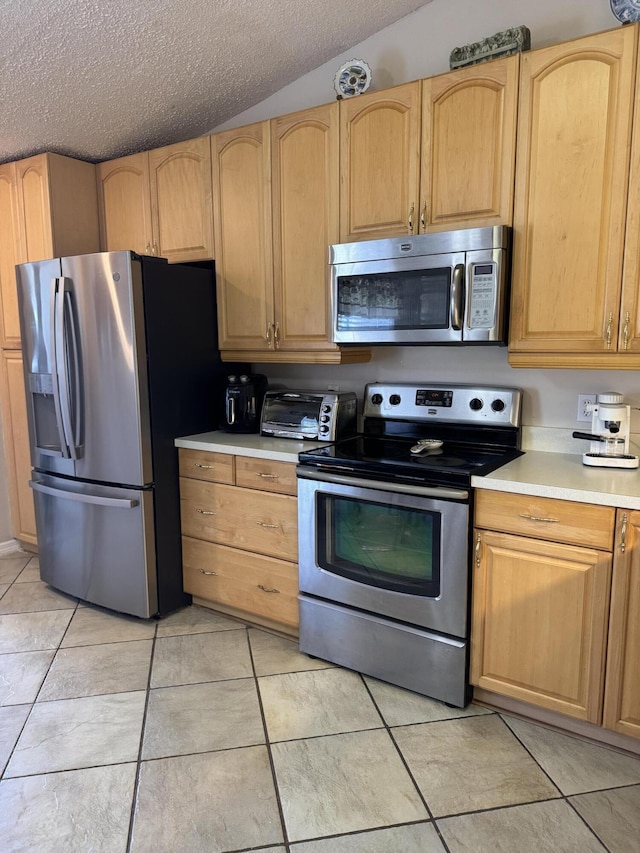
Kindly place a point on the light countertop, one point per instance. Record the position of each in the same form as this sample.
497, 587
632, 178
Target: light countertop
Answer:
562, 475
537, 472
254, 445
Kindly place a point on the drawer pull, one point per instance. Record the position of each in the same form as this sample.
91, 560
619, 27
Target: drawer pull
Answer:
538, 518
206, 467
202, 572
266, 589
270, 526
204, 511
623, 534
268, 476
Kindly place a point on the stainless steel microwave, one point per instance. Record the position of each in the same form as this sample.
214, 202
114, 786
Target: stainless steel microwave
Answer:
444, 288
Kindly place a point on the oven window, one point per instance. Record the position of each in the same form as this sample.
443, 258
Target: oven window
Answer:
392, 547
416, 299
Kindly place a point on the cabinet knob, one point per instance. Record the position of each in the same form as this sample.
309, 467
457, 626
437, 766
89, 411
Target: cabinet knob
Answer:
202, 572
538, 518
267, 589
204, 512
410, 222
269, 526
423, 217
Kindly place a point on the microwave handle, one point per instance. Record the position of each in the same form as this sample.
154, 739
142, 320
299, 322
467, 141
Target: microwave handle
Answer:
457, 294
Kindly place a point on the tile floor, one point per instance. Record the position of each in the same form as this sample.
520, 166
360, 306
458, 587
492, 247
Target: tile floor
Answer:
196, 733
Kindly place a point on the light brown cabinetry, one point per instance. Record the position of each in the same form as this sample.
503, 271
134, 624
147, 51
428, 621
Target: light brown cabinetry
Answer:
430, 155
275, 189
622, 691
124, 197
240, 542
556, 604
11, 253
541, 605
572, 171
16, 444
159, 202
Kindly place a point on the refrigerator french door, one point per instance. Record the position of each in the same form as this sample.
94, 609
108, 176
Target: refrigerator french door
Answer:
120, 357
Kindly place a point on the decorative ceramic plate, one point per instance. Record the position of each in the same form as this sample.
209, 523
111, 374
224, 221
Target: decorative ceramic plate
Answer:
352, 78
626, 10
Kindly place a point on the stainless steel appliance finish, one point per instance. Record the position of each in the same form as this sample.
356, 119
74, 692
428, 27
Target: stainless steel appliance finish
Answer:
385, 532
120, 357
444, 288
322, 415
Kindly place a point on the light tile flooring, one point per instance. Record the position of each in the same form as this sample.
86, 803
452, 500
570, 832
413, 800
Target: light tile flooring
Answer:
196, 733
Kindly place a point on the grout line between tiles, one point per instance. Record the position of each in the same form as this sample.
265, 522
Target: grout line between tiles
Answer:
136, 783
283, 824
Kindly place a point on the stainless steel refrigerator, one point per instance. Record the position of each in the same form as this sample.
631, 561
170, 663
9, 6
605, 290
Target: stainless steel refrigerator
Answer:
120, 358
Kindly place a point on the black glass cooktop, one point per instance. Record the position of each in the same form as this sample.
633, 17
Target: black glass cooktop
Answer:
391, 459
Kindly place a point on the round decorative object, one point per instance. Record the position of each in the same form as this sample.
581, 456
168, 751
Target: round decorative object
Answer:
352, 78
626, 10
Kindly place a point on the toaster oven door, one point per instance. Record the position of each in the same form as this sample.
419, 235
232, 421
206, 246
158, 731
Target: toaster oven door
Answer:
291, 415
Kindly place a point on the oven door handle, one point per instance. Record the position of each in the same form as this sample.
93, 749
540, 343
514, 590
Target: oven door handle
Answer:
358, 482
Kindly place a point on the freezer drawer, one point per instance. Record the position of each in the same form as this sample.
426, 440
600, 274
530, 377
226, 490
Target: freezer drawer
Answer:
97, 543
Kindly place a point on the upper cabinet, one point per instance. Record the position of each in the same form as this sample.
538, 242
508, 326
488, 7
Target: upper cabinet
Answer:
241, 171
124, 198
180, 178
48, 208
468, 146
430, 155
275, 213
572, 170
159, 202
380, 163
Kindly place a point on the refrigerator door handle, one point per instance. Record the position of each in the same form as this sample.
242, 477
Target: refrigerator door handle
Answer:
64, 450
62, 300
77, 387
116, 503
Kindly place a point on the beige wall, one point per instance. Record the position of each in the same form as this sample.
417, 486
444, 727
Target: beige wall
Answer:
419, 46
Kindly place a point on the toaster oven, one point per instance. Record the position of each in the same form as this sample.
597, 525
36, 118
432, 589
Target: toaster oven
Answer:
322, 415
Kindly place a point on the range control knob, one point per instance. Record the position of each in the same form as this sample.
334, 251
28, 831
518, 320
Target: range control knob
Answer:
498, 405
376, 399
395, 399
476, 404
326, 408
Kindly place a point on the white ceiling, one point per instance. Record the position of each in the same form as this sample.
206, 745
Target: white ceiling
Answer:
96, 79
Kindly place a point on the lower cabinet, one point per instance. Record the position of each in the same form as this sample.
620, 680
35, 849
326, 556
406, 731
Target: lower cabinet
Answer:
240, 536
556, 607
16, 442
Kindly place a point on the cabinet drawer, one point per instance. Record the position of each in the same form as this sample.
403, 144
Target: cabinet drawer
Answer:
546, 518
206, 465
262, 522
255, 584
266, 475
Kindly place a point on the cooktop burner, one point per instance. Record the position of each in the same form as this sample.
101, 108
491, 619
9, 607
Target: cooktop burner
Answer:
477, 427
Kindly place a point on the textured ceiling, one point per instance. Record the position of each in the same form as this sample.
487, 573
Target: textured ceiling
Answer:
96, 79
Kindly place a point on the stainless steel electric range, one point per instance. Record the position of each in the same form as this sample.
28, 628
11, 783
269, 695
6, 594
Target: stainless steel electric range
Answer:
384, 521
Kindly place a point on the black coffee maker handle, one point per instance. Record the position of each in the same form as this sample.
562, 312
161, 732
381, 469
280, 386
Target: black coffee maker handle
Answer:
231, 410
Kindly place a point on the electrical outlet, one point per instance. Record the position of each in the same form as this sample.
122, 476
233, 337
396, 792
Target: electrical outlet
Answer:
586, 402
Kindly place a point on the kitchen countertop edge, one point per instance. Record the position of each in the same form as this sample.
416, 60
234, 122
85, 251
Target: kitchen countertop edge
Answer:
563, 476
249, 444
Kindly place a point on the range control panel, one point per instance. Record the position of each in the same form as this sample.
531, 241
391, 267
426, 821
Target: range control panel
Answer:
465, 404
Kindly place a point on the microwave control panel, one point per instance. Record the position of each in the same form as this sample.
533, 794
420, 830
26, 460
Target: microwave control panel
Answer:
483, 288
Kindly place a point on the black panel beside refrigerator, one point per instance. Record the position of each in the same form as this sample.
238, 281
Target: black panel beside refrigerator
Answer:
121, 357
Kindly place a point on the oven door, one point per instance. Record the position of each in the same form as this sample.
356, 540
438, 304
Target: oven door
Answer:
389, 549
416, 300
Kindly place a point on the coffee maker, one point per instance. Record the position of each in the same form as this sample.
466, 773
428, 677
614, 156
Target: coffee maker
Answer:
244, 396
609, 437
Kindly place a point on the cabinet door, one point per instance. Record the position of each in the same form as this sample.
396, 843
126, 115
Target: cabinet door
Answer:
539, 622
622, 691
305, 222
180, 177
629, 332
34, 208
10, 255
468, 146
243, 237
124, 198
16, 442
574, 126
379, 163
